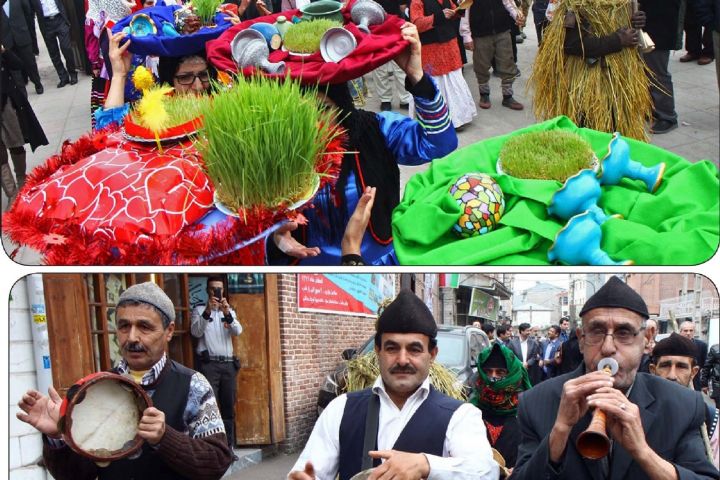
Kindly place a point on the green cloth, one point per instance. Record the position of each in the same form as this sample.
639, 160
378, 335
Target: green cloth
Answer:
679, 224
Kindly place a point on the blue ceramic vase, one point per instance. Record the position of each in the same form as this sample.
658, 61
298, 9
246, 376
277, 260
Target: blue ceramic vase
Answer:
578, 243
579, 194
617, 164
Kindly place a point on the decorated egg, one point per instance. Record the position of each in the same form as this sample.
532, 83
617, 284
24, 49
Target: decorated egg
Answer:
482, 203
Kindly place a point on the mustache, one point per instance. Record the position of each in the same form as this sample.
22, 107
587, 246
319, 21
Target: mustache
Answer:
134, 347
403, 369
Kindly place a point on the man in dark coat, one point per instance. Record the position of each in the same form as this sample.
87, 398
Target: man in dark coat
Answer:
654, 424
663, 25
527, 349
55, 29
18, 126
17, 27
708, 12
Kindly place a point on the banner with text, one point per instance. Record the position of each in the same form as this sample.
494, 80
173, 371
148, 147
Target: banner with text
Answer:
357, 294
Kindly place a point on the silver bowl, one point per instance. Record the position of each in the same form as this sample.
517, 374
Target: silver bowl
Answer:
336, 44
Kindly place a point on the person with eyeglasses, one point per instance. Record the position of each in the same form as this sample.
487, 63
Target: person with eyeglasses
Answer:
188, 74
653, 424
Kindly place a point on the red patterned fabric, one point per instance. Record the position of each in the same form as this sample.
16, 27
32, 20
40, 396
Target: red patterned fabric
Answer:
382, 45
107, 201
125, 194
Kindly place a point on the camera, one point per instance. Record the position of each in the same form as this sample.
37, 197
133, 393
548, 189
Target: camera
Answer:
217, 293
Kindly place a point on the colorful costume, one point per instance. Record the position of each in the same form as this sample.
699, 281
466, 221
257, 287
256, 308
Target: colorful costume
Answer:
498, 399
383, 141
441, 56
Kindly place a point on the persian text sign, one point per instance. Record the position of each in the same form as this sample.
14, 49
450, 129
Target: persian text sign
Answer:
344, 294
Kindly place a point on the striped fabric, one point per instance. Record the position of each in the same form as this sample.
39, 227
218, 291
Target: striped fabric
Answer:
433, 115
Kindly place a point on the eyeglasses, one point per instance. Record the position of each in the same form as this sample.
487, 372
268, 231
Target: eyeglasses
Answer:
189, 78
622, 336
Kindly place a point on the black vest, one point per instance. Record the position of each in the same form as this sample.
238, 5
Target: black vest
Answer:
170, 397
424, 433
445, 30
489, 17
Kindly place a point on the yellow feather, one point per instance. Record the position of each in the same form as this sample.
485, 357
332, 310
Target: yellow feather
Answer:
151, 109
142, 78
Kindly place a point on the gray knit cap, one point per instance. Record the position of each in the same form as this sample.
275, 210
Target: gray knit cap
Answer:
152, 295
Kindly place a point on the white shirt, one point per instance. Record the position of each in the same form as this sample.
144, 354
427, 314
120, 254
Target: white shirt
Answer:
523, 349
213, 336
466, 451
49, 8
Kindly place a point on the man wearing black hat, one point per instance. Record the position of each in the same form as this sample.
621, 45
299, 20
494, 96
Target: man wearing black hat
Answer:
644, 444
183, 432
673, 359
402, 426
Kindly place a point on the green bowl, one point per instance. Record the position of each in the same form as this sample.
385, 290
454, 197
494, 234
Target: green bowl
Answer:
329, 9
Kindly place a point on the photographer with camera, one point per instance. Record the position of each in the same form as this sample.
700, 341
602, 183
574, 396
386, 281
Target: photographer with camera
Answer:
214, 324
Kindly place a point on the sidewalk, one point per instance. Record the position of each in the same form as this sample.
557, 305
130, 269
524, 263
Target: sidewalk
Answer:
273, 468
65, 114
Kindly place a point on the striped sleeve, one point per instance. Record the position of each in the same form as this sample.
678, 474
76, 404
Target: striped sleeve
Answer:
431, 136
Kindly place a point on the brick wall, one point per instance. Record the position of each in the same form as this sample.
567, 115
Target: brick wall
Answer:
311, 344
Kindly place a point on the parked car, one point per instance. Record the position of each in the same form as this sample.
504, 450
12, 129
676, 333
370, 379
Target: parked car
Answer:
458, 348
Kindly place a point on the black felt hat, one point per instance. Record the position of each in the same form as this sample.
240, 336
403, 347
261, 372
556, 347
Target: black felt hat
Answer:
406, 314
496, 359
616, 294
674, 345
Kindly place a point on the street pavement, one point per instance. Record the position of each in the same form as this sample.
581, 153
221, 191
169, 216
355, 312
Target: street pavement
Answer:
65, 114
272, 468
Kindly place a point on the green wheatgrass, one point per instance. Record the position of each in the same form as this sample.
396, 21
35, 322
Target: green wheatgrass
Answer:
260, 141
205, 10
547, 155
304, 37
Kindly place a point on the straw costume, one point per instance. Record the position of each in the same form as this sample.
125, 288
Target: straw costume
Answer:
608, 91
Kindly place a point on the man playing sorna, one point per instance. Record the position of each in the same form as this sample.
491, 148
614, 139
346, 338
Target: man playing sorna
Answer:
653, 424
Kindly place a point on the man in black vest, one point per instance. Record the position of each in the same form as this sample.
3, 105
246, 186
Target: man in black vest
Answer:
402, 421
183, 431
653, 424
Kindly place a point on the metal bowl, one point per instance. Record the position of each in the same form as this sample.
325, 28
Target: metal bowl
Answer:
336, 44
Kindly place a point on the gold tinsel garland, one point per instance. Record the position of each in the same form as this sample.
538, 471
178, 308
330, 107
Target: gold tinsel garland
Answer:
610, 97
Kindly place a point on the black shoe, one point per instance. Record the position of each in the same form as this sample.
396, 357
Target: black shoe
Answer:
63, 82
663, 126
73, 78
519, 39
39, 88
404, 106
385, 106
